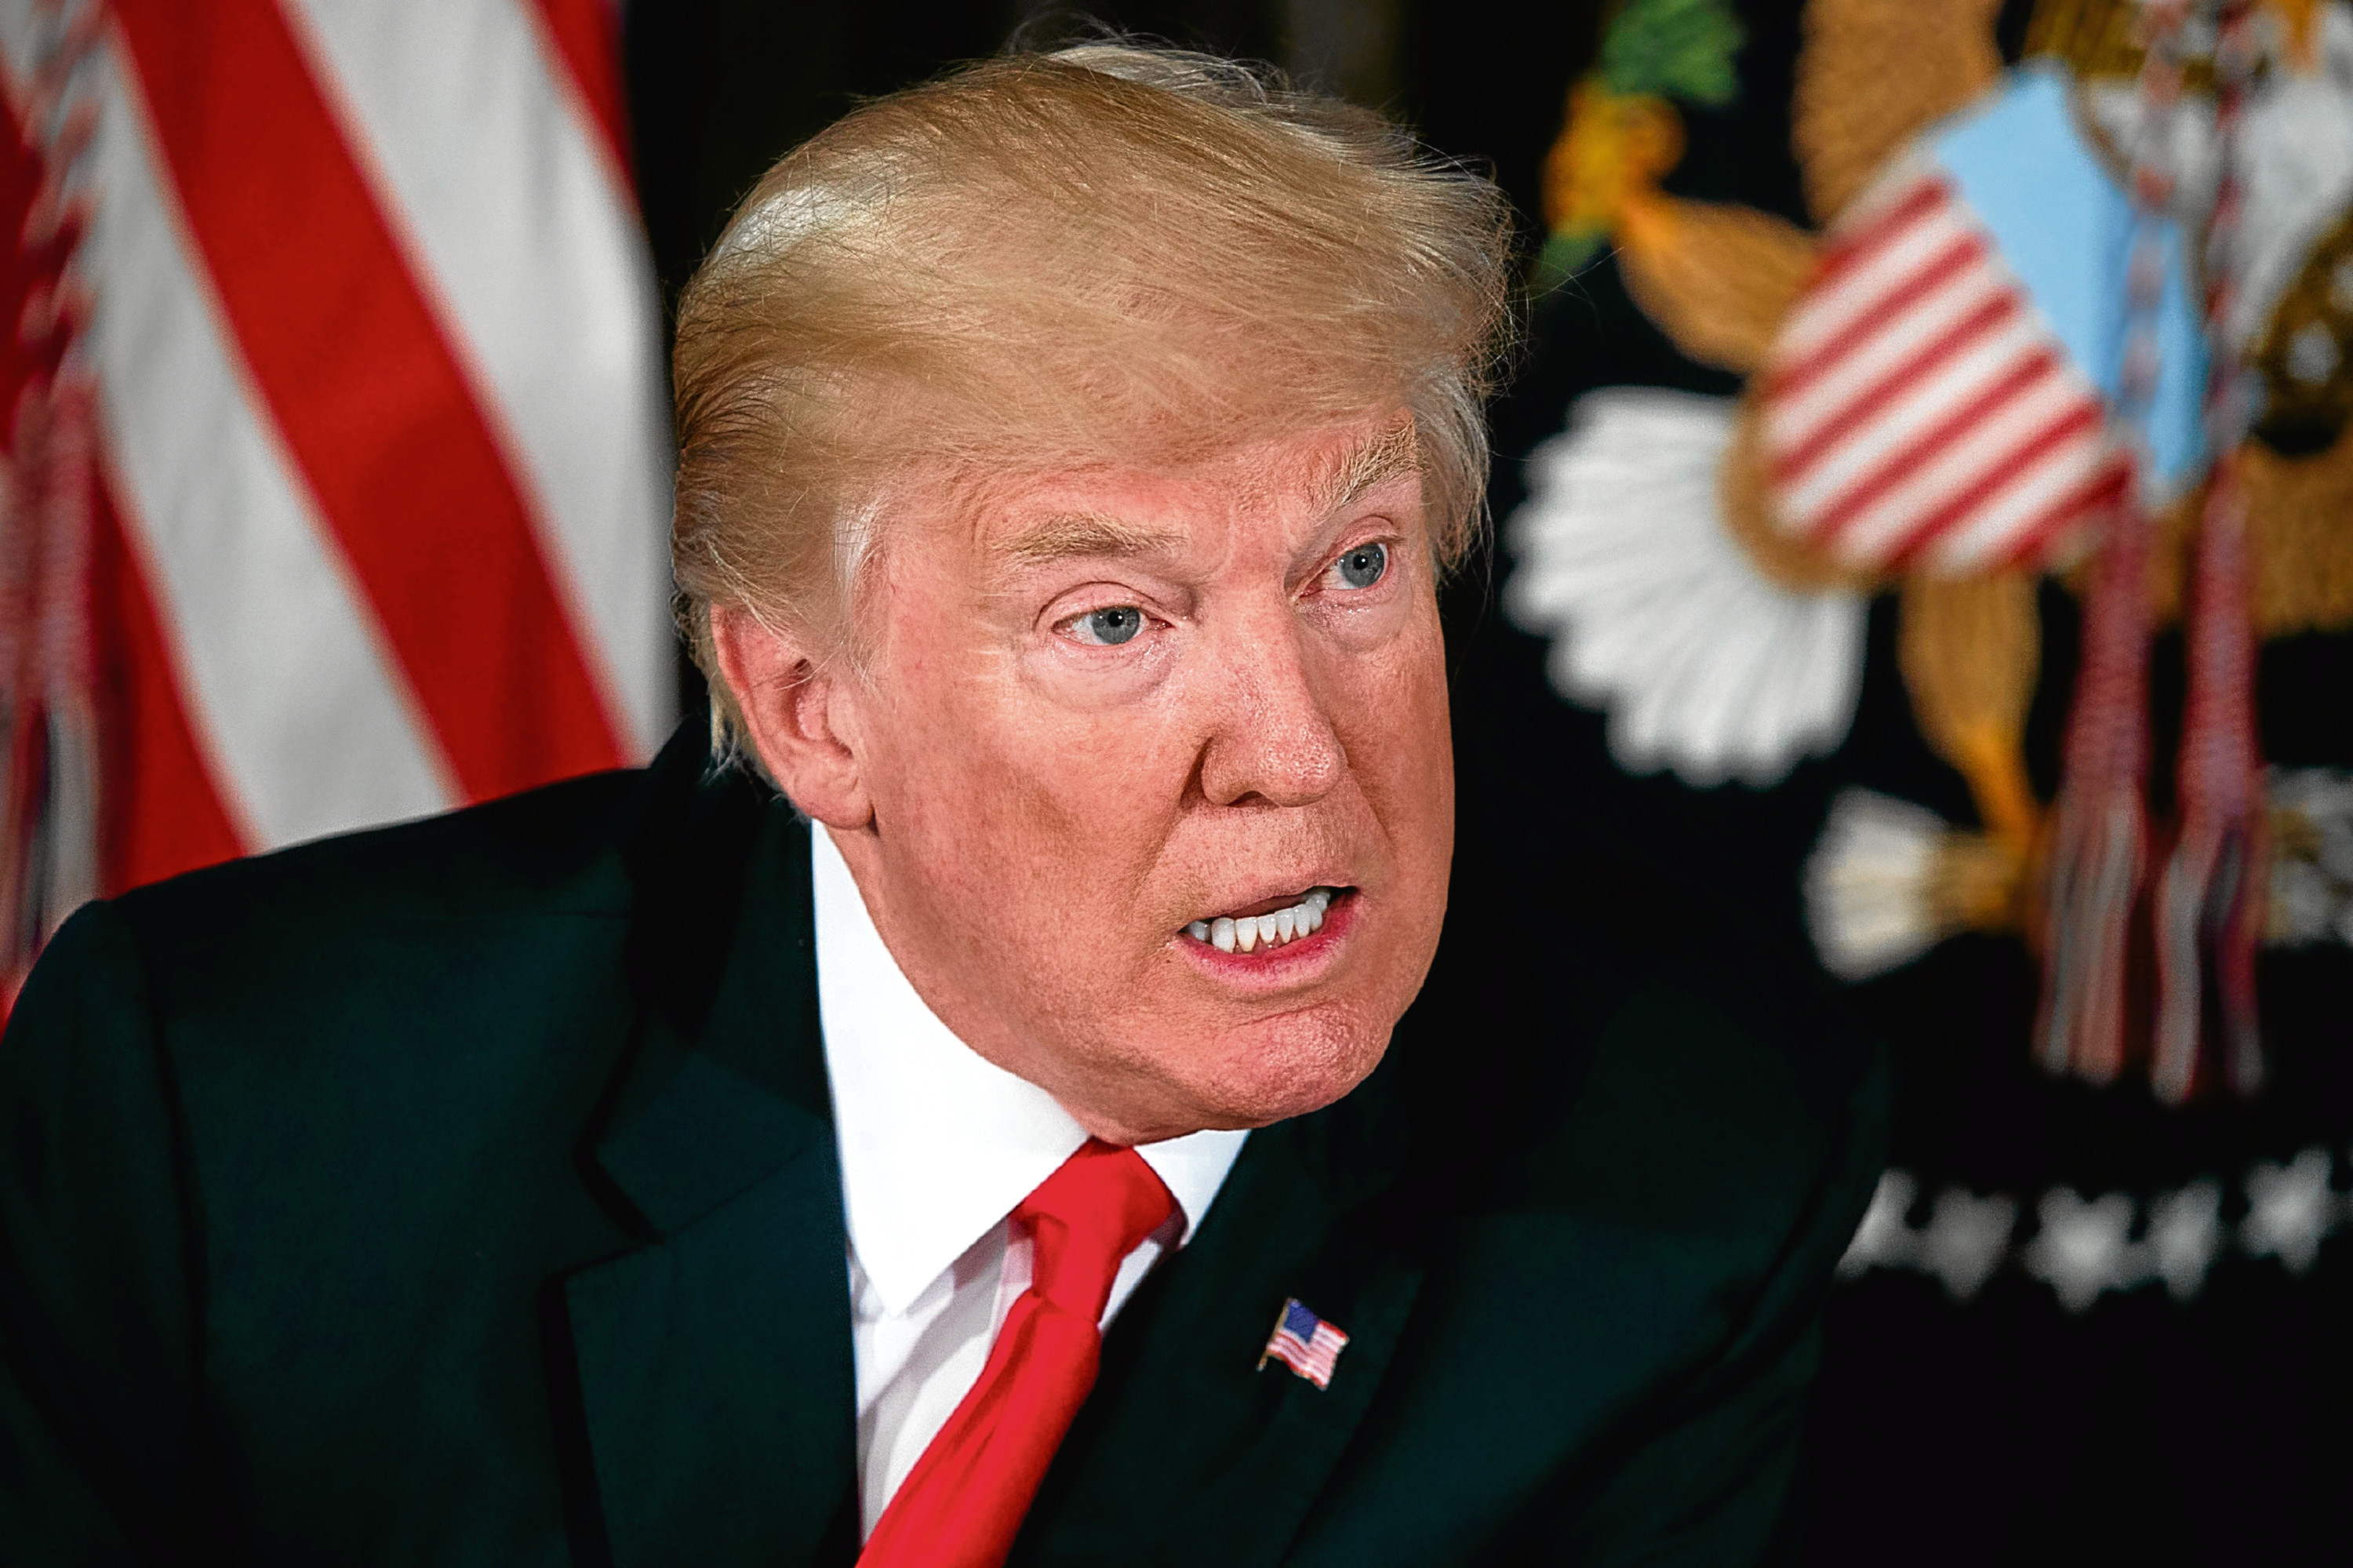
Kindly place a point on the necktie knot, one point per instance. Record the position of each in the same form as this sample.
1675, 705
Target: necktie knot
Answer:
1096, 1208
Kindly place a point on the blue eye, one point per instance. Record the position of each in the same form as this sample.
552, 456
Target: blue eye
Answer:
1362, 567
1111, 627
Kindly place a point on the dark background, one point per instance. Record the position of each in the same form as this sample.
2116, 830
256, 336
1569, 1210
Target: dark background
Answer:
2005, 1429
719, 87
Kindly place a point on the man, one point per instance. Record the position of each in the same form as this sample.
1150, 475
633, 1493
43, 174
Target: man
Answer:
993, 1148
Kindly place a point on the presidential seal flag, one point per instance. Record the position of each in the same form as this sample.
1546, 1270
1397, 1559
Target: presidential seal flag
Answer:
1305, 1343
1916, 411
1939, 396
336, 464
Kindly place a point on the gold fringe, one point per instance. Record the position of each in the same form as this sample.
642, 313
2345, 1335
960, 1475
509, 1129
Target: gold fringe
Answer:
2299, 533
1970, 649
1872, 73
1743, 498
2300, 527
1717, 278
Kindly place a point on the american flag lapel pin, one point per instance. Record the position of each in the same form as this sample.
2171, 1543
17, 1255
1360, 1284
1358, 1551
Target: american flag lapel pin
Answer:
1304, 1342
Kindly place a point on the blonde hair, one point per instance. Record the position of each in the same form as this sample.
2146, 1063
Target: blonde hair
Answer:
1107, 254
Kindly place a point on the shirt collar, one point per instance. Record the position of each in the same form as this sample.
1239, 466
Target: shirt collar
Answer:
938, 1143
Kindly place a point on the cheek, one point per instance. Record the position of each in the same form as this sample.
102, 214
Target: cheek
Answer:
996, 775
1392, 719
1028, 830
1033, 725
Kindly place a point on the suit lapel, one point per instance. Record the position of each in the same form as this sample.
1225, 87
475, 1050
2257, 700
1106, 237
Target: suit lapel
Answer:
713, 1362
1188, 1451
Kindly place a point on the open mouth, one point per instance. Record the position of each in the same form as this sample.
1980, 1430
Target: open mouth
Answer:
1294, 922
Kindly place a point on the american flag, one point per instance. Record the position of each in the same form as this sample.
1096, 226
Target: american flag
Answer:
1305, 1343
1918, 411
357, 318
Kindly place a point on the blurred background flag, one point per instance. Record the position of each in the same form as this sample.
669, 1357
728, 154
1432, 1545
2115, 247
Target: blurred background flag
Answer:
335, 474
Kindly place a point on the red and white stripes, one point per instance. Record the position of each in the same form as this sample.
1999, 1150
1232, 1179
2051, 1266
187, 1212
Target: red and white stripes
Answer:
377, 349
1917, 413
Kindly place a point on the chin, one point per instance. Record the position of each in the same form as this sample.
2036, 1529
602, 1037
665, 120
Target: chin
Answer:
1287, 1066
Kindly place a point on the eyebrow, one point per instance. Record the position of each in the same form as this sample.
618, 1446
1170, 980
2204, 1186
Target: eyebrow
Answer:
1068, 536
1079, 533
1395, 450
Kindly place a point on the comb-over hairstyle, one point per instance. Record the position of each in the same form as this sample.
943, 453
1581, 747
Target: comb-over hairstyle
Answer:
1109, 254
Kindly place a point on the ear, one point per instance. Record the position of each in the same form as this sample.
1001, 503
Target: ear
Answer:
800, 715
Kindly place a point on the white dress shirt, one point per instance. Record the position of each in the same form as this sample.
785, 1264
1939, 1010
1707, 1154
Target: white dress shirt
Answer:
938, 1146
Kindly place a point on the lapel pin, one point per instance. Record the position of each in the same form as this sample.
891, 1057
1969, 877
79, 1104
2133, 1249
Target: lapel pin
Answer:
1304, 1342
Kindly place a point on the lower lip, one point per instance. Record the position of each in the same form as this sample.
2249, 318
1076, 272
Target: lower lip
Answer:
1285, 965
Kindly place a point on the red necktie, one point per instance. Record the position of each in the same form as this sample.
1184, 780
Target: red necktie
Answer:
964, 1501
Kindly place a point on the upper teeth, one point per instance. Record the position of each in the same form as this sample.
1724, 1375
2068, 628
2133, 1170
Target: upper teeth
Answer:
1244, 933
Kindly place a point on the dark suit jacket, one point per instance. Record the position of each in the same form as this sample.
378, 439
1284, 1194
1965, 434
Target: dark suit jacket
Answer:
465, 1192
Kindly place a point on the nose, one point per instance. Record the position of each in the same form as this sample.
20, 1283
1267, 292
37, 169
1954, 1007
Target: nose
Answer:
1273, 739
